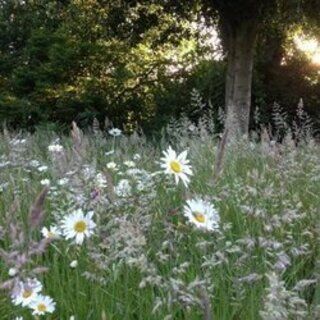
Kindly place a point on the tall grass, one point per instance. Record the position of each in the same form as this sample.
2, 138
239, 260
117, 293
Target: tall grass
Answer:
145, 261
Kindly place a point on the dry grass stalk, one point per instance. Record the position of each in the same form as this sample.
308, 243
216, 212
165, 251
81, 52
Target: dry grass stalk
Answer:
36, 213
206, 305
218, 166
79, 145
110, 187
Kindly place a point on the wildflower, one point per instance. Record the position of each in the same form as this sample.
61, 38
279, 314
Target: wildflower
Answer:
129, 164
123, 189
55, 148
45, 182
27, 293
63, 181
34, 163
95, 193
134, 172
74, 264
42, 305
202, 214
137, 157
177, 165
115, 132
112, 165
43, 168
16, 142
78, 226
12, 272
192, 127
52, 233
101, 181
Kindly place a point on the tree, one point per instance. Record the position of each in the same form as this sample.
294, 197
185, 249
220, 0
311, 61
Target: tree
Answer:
75, 60
239, 23
62, 61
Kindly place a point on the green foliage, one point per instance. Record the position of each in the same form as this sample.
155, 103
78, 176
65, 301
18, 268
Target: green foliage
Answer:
78, 60
284, 74
85, 60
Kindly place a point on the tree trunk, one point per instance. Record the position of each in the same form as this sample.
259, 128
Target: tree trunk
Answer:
240, 45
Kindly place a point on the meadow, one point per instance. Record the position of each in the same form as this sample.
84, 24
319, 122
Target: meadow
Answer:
102, 225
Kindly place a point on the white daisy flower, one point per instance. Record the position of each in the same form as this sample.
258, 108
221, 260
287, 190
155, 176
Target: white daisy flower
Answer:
52, 233
129, 164
63, 181
137, 157
74, 264
12, 272
55, 148
28, 292
115, 132
177, 165
112, 165
78, 226
43, 168
42, 305
45, 182
202, 214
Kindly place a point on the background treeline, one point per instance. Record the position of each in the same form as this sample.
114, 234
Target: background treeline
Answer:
132, 62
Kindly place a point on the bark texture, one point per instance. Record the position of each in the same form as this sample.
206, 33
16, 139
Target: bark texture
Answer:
241, 45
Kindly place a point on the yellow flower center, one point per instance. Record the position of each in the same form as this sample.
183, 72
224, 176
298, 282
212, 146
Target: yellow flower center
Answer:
175, 166
42, 307
80, 226
200, 217
26, 294
50, 234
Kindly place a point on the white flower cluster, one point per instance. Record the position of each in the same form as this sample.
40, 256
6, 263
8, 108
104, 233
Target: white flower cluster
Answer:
199, 212
29, 295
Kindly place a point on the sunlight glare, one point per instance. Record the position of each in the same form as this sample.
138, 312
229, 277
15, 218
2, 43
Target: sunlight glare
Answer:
316, 58
310, 46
